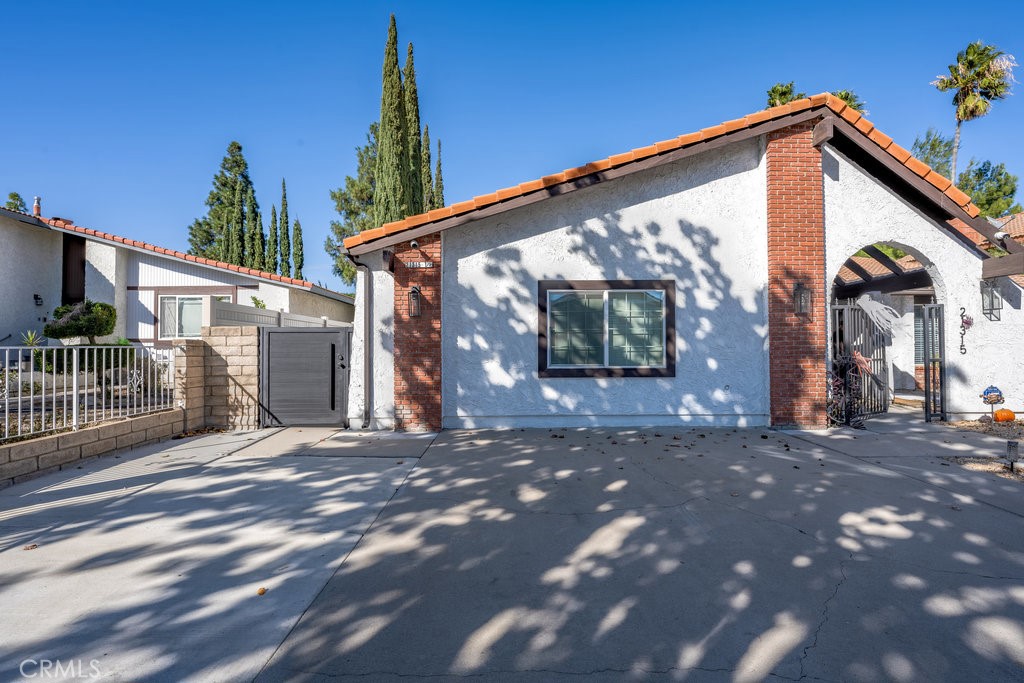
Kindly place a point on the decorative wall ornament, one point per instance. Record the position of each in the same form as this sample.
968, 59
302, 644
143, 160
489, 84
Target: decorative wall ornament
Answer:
966, 322
884, 317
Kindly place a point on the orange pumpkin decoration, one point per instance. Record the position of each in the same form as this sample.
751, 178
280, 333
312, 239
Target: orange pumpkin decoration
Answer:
1005, 415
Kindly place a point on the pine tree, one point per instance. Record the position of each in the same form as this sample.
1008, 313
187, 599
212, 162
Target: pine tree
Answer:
391, 194
206, 235
297, 249
354, 202
286, 249
438, 181
270, 261
426, 179
251, 228
412, 129
15, 203
259, 244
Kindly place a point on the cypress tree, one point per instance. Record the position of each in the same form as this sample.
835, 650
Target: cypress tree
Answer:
438, 181
426, 181
297, 250
259, 244
412, 131
251, 228
391, 195
270, 261
286, 249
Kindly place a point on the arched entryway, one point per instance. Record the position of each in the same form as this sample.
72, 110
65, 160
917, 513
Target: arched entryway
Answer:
886, 336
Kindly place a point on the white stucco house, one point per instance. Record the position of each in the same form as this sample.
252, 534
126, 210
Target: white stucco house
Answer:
157, 292
692, 281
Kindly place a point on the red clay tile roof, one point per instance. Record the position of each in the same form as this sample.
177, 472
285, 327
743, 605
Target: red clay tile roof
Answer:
1014, 225
826, 100
96, 234
876, 269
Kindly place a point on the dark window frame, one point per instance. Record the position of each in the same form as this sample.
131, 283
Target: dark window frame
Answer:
668, 287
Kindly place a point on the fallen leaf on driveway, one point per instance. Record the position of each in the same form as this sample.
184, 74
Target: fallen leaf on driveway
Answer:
261, 591
30, 547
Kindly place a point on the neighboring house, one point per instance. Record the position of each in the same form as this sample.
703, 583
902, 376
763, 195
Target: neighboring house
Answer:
687, 282
157, 292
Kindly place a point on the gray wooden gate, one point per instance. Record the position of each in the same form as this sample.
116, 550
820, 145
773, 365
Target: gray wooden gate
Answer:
304, 375
853, 331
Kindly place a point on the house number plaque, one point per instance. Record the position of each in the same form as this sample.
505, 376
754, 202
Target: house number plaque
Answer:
420, 264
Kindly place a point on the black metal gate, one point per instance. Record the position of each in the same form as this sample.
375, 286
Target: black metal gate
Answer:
859, 379
934, 362
304, 375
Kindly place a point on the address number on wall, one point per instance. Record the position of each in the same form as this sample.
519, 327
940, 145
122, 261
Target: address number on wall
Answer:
420, 264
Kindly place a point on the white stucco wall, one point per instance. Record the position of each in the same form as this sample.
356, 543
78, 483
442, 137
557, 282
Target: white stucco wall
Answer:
308, 303
700, 221
31, 258
106, 272
382, 397
860, 211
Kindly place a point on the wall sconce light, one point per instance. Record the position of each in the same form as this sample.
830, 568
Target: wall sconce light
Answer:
991, 301
801, 299
38, 299
414, 302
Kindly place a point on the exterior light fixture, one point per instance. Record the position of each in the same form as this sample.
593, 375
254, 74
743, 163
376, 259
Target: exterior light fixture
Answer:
414, 302
802, 298
991, 301
38, 299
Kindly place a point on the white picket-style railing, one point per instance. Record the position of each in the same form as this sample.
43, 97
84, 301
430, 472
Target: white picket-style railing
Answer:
55, 388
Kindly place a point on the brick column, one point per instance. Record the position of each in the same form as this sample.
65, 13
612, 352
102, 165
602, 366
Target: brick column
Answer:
418, 340
796, 253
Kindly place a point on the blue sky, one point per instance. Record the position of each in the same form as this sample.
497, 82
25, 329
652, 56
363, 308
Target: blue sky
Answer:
118, 113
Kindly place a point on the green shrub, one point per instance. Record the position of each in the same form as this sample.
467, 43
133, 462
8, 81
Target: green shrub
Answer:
88, 319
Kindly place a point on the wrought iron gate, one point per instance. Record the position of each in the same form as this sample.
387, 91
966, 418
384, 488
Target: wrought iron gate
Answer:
859, 380
934, 362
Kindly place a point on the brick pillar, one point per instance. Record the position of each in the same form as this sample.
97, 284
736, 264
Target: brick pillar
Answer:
418, 340
190, 381
796, 253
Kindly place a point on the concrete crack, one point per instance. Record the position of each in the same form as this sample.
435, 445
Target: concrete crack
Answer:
824, 615
757, 514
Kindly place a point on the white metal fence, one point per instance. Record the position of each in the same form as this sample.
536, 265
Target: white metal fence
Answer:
46, 389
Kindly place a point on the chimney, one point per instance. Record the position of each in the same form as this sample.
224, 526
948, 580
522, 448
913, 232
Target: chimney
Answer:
37, 210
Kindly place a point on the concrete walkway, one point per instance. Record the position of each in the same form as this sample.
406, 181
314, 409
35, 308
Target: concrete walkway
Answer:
720, 555
147, 566
536, 555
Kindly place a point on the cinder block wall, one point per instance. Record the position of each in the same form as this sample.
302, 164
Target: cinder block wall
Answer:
231, 377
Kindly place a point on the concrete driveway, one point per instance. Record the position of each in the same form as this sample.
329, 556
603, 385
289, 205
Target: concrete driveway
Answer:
147, 566
658, 554
663, 554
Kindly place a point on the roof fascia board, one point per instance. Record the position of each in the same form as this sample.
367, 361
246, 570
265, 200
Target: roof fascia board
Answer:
947, 205
590, 180
1011, 264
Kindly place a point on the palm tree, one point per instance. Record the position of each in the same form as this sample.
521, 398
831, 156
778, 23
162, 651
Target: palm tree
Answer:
852, 100
783, 93
982, 73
